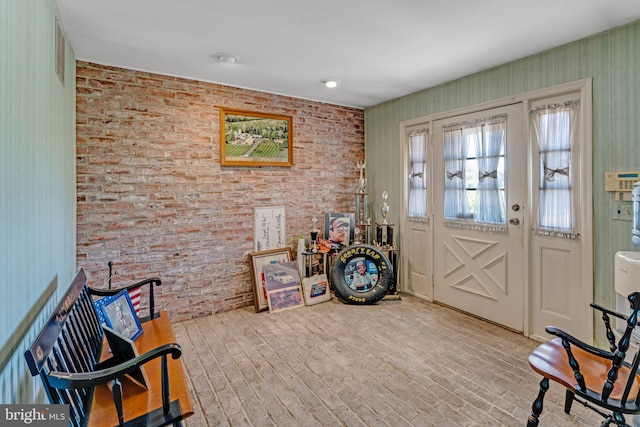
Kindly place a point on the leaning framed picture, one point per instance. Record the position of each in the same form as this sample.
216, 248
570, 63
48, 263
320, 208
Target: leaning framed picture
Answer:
250, 138
120, 316
339, 229
282, 282
269, 227
280, 275
285, 299
257, 261
122, 350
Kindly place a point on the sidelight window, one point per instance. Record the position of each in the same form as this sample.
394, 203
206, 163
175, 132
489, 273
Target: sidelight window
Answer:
418, 175
554, 130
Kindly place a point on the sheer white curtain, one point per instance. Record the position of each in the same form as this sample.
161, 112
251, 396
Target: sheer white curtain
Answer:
490, 203
456, 205
554, 129
418, 175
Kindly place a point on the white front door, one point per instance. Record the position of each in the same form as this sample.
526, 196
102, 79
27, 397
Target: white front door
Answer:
519, 277
480, 269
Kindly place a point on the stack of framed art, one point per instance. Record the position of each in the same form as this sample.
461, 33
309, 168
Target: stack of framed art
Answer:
282, 283
276, 282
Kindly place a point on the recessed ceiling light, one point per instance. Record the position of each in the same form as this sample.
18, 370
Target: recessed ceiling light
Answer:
226, 58
331, 83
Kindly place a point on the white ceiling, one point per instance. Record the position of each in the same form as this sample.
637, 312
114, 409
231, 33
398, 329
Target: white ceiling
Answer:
379, 49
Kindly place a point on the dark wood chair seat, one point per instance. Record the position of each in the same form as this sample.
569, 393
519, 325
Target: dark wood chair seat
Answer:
601, 380
550, 360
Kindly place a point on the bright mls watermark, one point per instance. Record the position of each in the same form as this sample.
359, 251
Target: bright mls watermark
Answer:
34, 415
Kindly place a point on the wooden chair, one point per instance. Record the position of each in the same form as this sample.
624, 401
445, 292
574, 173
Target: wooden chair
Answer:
78, 368
600, 380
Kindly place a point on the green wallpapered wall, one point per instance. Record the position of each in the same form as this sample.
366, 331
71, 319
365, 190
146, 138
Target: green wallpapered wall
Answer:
611, 59
37, 182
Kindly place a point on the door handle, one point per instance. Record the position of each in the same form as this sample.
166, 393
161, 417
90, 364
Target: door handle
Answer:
515, 207
514, 221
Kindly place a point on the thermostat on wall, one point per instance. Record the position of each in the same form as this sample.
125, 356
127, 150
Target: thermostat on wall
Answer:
621, 183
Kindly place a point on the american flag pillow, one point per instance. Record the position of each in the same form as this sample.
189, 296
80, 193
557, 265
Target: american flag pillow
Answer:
99, 304
134, 296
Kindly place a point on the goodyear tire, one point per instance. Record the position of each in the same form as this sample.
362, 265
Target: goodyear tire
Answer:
354, 284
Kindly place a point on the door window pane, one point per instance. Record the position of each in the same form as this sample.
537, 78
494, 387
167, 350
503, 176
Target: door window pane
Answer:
418, 176
474, 176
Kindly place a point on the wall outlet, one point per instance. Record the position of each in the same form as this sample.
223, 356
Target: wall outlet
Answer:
622, 211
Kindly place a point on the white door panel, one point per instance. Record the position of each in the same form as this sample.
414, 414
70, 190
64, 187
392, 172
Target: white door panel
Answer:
417, 253
477, 273
558, 287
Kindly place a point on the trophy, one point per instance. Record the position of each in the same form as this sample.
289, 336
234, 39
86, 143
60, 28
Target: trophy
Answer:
314, 235
362, 182
357, 235
384, 230
384, 209
361, 230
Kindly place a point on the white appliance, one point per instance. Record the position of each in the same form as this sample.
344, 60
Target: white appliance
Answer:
635, 224
627, 280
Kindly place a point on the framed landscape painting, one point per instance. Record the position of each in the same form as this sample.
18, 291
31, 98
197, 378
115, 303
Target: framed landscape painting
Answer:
255, 139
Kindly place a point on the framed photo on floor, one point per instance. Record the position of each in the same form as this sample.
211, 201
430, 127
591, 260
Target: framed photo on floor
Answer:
257, 261
282, 283
285, 299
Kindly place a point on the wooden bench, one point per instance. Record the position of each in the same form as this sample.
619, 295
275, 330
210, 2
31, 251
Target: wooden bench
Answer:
67, 355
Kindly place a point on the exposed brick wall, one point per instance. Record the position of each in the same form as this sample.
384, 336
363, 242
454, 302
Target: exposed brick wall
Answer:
153, 198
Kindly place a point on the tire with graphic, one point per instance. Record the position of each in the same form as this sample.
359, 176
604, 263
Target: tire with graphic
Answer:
361, 274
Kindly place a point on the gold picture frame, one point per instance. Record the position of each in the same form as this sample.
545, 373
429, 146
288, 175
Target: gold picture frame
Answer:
250, 138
